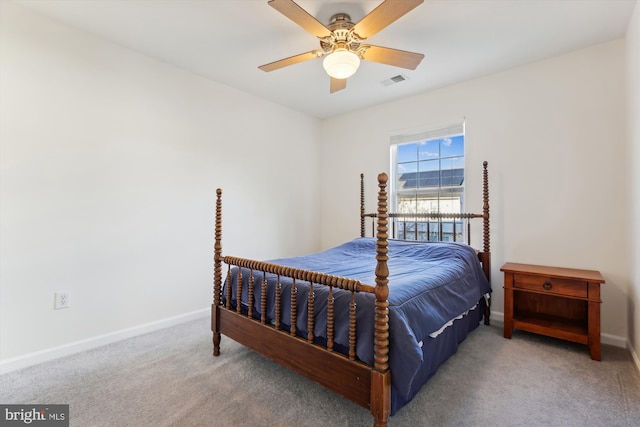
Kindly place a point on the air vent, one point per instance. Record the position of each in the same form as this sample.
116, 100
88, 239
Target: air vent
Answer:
393, 80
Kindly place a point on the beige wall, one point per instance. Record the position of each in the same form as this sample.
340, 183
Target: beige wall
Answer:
110, 162
553, 133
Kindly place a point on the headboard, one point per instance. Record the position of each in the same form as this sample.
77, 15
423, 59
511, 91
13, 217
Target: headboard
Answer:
437, 219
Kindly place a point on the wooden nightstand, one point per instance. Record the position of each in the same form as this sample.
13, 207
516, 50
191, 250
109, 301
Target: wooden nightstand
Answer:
558, 302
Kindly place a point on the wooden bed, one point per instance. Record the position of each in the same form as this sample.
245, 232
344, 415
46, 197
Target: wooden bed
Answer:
368, 385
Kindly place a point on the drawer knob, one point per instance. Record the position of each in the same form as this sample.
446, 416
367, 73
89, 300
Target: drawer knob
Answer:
547, 285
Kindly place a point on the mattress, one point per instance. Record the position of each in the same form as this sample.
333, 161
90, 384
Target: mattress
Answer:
431, 284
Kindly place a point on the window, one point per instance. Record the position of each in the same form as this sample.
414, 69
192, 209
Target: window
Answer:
428, 171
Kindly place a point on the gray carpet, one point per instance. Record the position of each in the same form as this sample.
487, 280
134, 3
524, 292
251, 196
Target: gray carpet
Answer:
169, 378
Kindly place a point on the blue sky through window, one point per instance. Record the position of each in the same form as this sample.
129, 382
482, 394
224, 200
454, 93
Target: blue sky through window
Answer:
443, 153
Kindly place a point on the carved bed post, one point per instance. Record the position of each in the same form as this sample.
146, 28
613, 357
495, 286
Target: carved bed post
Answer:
485, 208
381, 376
361, 205
486, 247
217, 275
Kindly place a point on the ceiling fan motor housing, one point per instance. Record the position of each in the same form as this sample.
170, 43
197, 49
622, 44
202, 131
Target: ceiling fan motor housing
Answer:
340, 20
342, 37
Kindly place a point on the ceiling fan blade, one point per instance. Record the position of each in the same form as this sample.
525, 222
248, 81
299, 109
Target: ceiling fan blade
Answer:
383, 15
300, 16
291, 60
337, 84
398, 58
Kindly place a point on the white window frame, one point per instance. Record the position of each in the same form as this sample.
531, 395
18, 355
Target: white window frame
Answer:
426, 133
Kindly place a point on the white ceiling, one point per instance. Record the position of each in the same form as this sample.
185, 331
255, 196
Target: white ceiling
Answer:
226, 41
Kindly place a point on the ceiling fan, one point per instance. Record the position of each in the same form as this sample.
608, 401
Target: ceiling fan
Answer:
341, 41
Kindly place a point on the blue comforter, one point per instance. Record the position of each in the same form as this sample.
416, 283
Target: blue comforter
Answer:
429, 285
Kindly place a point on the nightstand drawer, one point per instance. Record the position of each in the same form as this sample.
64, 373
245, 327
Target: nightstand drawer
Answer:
551, 285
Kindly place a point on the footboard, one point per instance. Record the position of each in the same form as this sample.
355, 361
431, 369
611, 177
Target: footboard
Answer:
343, 374
318, 360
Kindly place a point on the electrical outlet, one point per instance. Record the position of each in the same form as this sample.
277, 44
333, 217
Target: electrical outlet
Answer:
61, 300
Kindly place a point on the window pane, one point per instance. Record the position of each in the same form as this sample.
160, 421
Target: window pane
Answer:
407, 177
407, 167
453, 146
407, 203
429, 150
407, 153
448, 204
429, 174
451, 174
427, 204
452, 163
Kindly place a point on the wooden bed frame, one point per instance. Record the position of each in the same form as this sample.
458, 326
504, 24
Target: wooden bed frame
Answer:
368, 386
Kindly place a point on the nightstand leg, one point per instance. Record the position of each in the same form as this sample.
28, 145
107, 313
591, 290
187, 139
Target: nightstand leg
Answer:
508, 312
594, 320
594, 330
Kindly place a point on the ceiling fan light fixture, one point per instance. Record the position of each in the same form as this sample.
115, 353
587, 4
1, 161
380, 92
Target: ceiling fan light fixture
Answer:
341, 64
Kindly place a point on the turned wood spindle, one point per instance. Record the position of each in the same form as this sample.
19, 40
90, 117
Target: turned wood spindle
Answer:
352, 327
330, 317
381, 327
263, 299
294, 307
217, 275
250, 296
362, 232
485, 208
310, 309
228, 288
239, 292
486, 261
278, 301
217, 251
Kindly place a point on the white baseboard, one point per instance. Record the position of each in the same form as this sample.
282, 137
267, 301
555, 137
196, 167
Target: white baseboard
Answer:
34, 358
497, 316
614, 340
608, 339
